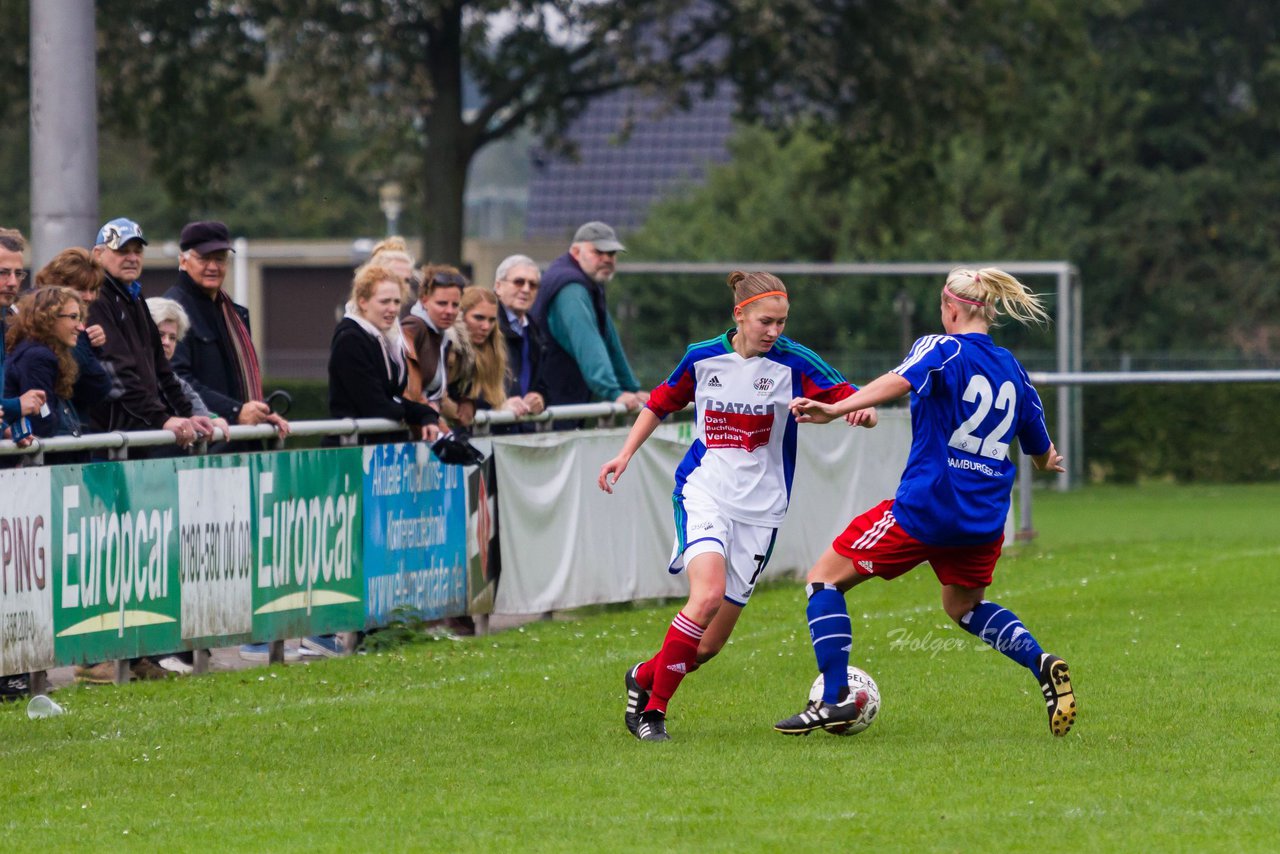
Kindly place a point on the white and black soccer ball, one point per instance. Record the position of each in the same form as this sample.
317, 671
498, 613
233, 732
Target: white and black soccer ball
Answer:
859, 680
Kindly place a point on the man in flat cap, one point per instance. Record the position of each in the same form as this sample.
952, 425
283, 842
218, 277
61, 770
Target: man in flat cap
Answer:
217, 356
583, 360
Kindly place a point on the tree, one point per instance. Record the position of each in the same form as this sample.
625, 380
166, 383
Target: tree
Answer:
397, 71
1140, 146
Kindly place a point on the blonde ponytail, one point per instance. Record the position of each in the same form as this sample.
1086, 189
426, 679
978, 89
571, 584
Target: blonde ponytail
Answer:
993, 292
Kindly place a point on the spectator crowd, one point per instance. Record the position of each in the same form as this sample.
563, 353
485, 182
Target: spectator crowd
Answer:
83, 352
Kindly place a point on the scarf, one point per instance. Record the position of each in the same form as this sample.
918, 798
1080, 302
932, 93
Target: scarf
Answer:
242, 343
433, 390
392, 342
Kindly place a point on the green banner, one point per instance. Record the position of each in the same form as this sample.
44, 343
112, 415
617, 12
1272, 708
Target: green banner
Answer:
307, 578
116, 590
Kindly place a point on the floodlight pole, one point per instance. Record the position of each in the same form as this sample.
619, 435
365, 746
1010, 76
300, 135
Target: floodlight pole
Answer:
64, 127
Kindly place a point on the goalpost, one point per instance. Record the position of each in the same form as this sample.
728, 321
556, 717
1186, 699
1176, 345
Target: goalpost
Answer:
1068, 436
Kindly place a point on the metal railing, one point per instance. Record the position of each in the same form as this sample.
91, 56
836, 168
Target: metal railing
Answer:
1026, 530
348, 431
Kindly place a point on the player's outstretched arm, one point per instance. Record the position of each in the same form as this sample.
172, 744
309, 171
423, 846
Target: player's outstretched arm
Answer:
646, 423
1050, 460
882, 389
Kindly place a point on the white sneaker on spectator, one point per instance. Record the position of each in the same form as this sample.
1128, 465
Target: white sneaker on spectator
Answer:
175, 665
328, 646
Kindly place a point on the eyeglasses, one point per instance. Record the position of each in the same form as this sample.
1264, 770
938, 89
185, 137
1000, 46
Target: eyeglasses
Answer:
77, 318
20, 275
521, 282
218, 260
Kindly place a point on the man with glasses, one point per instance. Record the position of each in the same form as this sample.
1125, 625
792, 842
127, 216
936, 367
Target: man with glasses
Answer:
516, 284
12, 274
583, 360
151, 398
217, 356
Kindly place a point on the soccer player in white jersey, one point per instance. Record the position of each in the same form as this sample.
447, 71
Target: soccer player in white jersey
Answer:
969, 400
732, 486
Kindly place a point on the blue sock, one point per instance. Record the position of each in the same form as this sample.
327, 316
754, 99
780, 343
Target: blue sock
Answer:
1001, 629
832, 635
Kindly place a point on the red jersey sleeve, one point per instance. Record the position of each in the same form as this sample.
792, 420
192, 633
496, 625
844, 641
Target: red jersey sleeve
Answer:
676, 393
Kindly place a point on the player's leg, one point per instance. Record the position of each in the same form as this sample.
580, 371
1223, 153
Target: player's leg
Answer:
965, 574
871, 546
747, 551
831, 634
718, 631
679, 653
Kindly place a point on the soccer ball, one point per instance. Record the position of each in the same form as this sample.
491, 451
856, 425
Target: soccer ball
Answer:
859, 680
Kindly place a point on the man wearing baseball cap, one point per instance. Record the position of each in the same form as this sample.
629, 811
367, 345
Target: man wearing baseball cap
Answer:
583, 360
151, 398
217, 356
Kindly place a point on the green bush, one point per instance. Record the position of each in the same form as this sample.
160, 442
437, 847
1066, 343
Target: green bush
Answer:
1214, 433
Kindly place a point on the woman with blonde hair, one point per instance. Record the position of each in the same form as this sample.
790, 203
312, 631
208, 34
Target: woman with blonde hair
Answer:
393, 253
477, 365
734, 484
368, 368
969, 401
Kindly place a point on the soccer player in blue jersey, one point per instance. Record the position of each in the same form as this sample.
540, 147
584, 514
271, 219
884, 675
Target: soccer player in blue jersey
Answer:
733, 485
969, 400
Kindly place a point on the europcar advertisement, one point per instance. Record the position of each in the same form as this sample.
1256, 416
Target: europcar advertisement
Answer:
306, 577
116, 588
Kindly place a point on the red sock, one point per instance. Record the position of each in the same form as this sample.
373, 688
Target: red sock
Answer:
678, 656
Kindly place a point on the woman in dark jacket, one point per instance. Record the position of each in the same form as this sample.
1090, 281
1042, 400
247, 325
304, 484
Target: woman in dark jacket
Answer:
76, 269
42, 342
367, 365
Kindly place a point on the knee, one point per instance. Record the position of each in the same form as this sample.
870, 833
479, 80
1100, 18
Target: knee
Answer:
703, 606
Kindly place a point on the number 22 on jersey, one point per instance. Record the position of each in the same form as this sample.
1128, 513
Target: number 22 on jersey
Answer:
979, 391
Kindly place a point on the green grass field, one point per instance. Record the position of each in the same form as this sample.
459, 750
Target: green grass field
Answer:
1161, 597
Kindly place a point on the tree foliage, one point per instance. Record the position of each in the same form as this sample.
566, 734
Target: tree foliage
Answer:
1143, 145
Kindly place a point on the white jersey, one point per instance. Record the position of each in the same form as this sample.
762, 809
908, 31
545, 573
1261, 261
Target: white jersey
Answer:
744, 449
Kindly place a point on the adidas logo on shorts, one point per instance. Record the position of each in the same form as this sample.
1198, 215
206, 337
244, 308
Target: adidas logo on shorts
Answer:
867, 565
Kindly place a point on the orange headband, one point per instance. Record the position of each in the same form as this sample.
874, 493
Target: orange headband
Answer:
761, 296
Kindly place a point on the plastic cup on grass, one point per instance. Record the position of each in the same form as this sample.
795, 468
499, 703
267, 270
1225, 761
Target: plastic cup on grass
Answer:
41, 706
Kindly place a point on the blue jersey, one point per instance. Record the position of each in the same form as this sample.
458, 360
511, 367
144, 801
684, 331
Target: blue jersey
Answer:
969, 400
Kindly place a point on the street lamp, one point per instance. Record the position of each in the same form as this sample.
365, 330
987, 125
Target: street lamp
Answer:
905, 306
391, 200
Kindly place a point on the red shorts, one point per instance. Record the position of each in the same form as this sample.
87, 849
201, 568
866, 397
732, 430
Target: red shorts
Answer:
878, 546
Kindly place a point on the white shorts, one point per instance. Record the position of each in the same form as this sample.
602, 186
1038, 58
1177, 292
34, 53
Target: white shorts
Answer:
701, 527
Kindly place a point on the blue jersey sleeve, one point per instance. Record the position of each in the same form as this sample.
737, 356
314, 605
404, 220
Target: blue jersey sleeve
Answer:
1033, 435
928, 357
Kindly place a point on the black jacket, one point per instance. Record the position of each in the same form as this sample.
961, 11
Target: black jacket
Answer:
515, 356
206, 357
359, 384
134, 357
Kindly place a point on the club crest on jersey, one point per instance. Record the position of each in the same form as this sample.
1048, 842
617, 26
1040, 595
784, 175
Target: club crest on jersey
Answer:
764, 385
